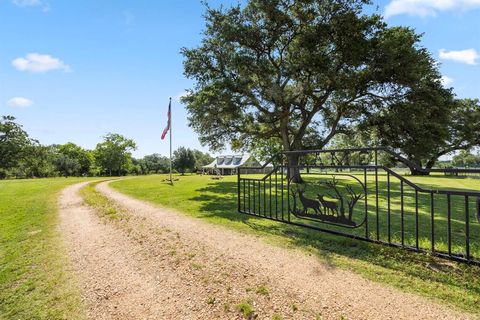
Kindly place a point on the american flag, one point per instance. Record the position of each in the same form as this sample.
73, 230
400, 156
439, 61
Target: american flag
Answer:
165, 131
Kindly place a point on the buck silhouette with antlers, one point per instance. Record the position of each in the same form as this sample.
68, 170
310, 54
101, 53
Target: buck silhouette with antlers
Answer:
309, 203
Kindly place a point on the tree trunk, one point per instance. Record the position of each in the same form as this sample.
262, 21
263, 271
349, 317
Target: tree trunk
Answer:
293, 169
430, 163
422, 172
418, 172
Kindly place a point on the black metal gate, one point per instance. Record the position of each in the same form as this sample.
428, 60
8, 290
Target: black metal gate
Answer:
348, 192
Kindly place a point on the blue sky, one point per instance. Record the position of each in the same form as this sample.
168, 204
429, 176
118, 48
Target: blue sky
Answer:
75, 70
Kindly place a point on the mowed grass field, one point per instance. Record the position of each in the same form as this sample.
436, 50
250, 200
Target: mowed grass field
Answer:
35, 280
215, 201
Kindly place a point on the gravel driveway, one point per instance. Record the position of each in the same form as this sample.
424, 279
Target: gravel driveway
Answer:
160, 264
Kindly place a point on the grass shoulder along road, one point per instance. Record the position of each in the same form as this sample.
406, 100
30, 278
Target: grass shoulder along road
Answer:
104, 207
215, 201
35, 279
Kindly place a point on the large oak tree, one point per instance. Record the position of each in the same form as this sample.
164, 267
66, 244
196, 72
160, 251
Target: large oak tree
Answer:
297, 70
429, 124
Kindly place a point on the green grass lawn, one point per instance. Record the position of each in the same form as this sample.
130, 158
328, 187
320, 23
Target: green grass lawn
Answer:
35, 281
215, 201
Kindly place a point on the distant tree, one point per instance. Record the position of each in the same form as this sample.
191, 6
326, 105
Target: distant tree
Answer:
429, 124
202, 159
113, 155
138, 167
78, 157
463, 128
297, 72
141, 168
465, 158
13, 143
66, 166
38, 162
156, 163
184, 160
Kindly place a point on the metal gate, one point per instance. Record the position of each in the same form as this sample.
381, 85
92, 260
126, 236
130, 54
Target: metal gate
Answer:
348, 192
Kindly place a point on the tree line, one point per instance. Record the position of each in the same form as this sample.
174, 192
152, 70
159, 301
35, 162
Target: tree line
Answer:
466, 159
24, 157
298, 74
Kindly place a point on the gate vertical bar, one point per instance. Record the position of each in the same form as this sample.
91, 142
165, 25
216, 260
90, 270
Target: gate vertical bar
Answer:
281, 189
432, 214
264, 198
366, 202
288, 193
389, 227
244, 189
238, 190
402, 213
270, 191
259, 199
416, 219
449, 224
253, 193
249, 202
467, 228
377, 218
276, 193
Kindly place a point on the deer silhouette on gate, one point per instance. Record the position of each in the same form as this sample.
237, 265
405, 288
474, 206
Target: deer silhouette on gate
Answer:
329, 206
309, 203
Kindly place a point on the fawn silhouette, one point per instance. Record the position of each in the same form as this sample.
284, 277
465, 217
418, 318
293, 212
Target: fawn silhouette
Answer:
329, 206
309, 203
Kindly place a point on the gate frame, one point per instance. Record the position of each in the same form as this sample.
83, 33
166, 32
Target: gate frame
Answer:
464, 258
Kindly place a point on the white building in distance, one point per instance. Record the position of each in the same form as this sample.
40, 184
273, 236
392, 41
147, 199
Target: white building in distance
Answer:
227, 165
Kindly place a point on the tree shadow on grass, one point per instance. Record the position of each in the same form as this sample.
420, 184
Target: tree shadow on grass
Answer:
219, 200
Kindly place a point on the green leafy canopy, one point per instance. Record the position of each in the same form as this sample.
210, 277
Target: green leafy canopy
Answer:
297, 72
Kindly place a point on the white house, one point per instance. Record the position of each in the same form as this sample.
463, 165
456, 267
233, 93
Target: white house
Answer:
226, 165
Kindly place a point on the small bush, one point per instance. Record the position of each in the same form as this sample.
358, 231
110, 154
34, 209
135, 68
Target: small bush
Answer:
246, 309
211, 300
197, 266
226, 307
262, 290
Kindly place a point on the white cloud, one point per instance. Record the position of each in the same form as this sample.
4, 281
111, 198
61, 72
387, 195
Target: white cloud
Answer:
32, 3
19, 102
425, 8
27, 3
39, 63
446, 81
468, 56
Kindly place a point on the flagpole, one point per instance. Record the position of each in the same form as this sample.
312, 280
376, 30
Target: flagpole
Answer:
170, 103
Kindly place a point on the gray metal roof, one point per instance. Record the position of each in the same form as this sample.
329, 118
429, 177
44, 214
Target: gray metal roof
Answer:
230, 161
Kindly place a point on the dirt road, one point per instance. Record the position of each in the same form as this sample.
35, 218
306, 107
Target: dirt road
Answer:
159, 264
